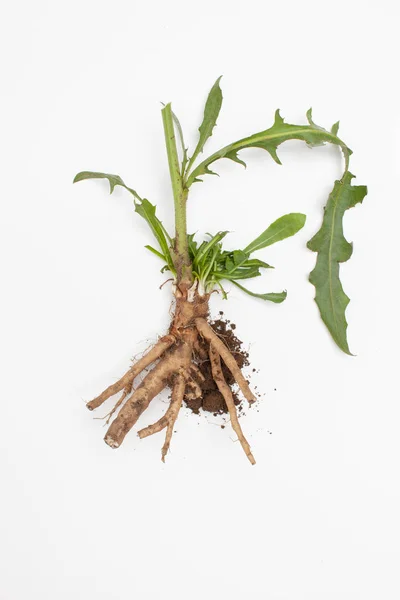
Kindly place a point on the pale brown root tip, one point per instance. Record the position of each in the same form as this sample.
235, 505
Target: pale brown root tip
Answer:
111, 442
176, 402
227, 394
152, 355
208, 333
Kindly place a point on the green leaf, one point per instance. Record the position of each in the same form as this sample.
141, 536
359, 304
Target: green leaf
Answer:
254, 262
280, 229
113, 180
335, 128
333, 248
192, 246
211, 112
148, 211
182, 141
206, 247
239, 257
270, 139
241, 273
276, 297
156, 252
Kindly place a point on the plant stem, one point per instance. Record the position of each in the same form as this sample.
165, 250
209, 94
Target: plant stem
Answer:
181, 249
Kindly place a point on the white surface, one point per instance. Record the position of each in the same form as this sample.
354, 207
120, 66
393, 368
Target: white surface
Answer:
318, 517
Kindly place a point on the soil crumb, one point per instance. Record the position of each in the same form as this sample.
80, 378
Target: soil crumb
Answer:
212, 400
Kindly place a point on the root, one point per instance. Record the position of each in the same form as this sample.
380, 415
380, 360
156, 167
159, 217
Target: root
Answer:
208, 333
152, 355
125, 393
176, 403
192, 390
178, 358
227, 394
196, 373
169, 419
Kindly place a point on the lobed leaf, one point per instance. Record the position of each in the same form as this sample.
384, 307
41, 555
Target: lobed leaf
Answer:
270, 139
211, 112
280, 229
333, 249
113, 180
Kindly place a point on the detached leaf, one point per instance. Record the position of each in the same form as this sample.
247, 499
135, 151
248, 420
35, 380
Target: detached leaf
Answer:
333, 248
211, 112
270, 139
272, 297
280, 229
113, 180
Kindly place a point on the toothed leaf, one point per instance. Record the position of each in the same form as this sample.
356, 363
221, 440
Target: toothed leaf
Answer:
211, 112
280, 229
333, 248
335, 128
113, 180
314, 142
234, 156
270, 139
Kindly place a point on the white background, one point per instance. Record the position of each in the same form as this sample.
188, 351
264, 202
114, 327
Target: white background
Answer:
318, 517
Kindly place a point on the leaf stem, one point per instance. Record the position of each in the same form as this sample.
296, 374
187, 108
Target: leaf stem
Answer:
181, 249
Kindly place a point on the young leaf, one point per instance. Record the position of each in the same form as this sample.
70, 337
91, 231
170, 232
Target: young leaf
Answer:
280, 229
239, 257
156, 252
333, 248
241, 273
211, 112
206, 247
148, 211
254, 262
269, 140
113, 180
276, 297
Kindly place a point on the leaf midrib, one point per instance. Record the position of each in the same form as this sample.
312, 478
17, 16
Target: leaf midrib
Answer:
330, 267
258, 247
236, 146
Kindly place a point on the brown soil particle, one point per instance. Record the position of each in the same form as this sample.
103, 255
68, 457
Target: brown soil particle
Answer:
212, 400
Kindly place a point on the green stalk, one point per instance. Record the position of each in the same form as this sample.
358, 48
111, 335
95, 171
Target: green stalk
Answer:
181, 248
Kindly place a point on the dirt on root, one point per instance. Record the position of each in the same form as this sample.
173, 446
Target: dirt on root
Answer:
212, 400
